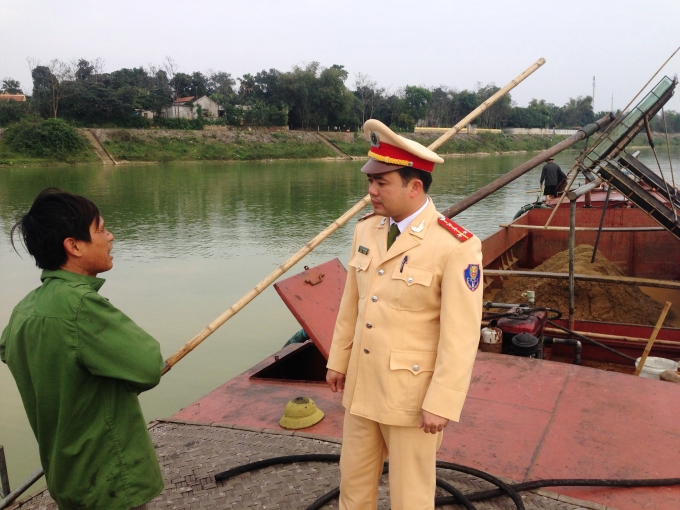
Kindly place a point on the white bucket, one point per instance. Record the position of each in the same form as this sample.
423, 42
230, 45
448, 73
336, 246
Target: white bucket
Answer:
654, 366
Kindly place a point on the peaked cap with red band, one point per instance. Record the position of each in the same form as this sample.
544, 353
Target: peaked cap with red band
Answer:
389, 151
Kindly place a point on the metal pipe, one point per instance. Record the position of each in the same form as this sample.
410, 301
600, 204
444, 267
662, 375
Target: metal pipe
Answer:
494, 186
4, 477
599, 230
567, 341
572, 245
21, 488
582, 190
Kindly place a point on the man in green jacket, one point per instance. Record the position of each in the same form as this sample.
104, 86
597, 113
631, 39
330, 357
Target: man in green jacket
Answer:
80, 363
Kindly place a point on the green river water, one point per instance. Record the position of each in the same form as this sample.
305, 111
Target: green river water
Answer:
191, 239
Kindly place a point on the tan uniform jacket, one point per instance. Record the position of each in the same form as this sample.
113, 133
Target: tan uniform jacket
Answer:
406, 337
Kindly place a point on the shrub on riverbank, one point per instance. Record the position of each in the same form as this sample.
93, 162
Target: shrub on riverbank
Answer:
53, 140
48, 138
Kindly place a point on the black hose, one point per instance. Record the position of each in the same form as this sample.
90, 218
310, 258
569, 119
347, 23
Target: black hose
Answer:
578, 335
457, 497
286, 459
576, 482
504, 487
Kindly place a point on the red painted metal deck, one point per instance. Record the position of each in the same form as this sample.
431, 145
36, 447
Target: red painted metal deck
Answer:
523, 419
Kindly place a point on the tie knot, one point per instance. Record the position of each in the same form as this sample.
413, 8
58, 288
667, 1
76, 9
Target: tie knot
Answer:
392, 235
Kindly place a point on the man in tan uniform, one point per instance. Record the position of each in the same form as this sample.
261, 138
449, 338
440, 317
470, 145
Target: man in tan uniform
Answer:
407, 330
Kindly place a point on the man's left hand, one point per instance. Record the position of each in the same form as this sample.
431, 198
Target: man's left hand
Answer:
432, 423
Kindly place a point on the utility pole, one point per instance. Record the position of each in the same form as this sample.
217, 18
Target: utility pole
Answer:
594, 95
612, 107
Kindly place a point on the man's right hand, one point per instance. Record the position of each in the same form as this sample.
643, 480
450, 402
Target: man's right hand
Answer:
335, 380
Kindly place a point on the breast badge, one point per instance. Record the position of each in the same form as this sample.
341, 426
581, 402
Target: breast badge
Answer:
472, 276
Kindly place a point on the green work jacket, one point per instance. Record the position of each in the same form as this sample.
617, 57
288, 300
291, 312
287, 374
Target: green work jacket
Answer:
79, 363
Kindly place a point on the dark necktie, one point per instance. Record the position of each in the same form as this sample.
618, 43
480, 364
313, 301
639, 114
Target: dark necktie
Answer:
392, 235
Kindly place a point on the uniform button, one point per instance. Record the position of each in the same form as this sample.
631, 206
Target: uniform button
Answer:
366, 351
381, 272
374, 299
416, 368
359, 266
410, 280
369, 325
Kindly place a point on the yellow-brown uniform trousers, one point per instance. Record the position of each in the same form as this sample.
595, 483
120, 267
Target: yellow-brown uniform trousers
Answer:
406, 338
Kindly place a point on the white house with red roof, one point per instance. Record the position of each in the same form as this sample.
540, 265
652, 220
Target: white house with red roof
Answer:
188, 108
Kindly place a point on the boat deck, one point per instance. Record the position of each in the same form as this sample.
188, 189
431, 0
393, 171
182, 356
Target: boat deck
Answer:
191, 454
524, 419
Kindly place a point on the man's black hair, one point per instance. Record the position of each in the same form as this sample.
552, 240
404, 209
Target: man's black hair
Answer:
408, 174
54, 216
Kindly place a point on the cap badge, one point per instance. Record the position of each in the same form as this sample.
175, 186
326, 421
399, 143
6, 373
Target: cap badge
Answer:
375, 139
420, 227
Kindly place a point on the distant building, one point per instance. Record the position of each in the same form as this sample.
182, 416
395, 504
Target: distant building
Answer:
187, 108
12, 97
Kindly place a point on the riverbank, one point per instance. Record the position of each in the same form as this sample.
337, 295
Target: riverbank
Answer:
9, 157
230, 144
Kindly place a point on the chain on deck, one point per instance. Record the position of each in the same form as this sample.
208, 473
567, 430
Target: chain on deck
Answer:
191, 454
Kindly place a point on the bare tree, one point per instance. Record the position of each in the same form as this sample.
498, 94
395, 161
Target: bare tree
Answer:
59, 76
368, 93
170, 67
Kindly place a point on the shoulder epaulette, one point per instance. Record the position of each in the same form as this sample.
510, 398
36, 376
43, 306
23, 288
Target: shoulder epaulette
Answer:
462, 234
366, 216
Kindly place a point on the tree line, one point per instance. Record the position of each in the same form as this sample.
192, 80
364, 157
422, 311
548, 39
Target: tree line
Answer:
307, 97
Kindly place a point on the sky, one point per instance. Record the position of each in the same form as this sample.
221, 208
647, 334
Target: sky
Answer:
426, 42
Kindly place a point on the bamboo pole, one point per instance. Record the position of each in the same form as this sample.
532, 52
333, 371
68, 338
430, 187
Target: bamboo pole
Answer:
255, 291
486, 105
659, 323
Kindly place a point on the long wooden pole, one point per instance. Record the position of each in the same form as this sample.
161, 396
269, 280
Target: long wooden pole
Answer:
486, 105
255, 291
659, 323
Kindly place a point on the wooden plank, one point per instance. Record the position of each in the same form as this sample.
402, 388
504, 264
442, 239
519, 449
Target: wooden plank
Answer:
603, 336
585, 229
618, 280
648, 348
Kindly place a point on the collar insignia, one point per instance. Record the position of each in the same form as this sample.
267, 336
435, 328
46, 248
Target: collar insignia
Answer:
420, 227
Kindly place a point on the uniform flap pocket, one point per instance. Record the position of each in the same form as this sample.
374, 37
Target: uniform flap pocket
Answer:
360, 262
413, 275
414, 361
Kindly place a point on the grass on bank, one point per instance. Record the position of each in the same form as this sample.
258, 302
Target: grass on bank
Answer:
466, 144
195, 148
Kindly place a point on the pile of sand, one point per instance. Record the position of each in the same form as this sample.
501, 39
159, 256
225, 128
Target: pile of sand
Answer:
592, 301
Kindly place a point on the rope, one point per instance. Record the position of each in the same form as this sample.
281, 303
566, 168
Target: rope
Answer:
668, 145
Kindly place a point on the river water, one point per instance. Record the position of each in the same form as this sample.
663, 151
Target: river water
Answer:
191, 239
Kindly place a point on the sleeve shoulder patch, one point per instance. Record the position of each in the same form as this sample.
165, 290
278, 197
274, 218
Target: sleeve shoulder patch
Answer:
366, 216
461, 233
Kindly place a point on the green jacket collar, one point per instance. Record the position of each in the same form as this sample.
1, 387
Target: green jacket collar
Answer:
91, 281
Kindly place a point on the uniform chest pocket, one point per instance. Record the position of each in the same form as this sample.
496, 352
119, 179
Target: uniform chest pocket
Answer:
361, 263
410, 287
